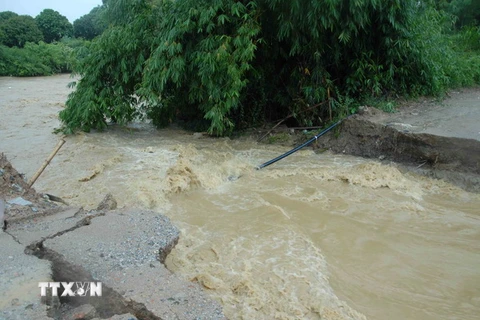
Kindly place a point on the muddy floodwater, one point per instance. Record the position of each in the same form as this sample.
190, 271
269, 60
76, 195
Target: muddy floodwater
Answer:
314, 236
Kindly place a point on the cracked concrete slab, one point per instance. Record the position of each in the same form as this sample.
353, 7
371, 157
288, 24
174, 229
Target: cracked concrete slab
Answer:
37, 228
19, 278
124, 250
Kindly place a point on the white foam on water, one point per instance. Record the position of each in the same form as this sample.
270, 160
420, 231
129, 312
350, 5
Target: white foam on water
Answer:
273, 272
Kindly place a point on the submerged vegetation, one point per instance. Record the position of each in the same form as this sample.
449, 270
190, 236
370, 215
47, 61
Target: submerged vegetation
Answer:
224, 65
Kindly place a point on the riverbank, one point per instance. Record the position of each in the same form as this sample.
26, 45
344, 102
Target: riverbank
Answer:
431, 137
451, 154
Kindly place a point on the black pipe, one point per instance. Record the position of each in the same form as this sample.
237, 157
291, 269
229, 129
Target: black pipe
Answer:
286, 154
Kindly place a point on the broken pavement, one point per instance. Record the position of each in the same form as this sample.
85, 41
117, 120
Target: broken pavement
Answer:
124, 249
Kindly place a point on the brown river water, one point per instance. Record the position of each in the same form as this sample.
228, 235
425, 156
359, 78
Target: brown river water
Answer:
314, 236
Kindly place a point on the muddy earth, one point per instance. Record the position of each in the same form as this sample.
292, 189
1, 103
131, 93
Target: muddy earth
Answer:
322, 234
14, 186
437, 139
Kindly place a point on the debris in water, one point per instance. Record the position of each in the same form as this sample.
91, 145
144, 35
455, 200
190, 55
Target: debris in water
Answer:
108, 203
149, 150
55, 198
233, 178
89, 177
197, 135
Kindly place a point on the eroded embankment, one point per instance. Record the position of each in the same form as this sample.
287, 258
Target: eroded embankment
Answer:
456, 160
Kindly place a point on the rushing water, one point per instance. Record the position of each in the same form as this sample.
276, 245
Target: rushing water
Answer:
313, 236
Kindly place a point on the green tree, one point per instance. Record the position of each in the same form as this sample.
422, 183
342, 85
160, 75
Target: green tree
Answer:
53, 25
467, 12
119, 54
5, 15
19, 30
231, 63
90, 25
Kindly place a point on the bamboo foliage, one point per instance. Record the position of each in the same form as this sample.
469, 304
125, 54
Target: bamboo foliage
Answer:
230, 63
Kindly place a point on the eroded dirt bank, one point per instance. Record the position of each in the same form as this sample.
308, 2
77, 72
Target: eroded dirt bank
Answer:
454, 159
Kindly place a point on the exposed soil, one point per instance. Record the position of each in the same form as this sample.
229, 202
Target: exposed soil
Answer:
440, 140
13, 185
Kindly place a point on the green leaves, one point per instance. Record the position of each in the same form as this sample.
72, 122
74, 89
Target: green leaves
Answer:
90, 25
53, 25
207, 50
110, 73
229, 64
16, 31
36, 59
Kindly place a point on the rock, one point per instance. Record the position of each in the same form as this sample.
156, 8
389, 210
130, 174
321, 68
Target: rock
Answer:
17, 187
20, 201
108, 203
2, 215
233, 178
368, 111
84, 312
363, 110
197, 135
